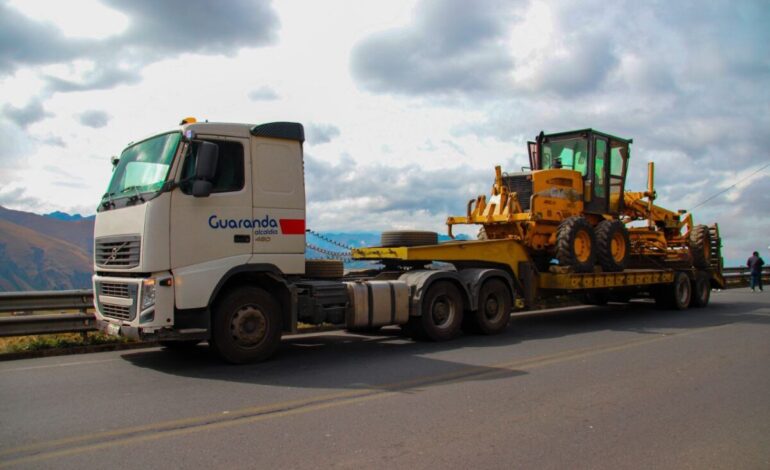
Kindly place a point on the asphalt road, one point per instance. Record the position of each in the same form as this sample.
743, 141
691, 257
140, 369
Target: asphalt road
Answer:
618, 387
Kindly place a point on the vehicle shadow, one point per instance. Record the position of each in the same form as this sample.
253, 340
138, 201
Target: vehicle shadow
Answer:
389, 361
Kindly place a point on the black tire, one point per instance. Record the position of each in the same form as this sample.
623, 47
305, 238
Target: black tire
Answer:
676, 295
701, 292
408, 238
613, 245
246, 326
324, 268
575, 244
494, 312
442, 313
700, 246
183, 345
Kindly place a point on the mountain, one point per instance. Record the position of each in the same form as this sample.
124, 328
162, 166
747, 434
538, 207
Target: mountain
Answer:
30, 260
58, 215
78, 232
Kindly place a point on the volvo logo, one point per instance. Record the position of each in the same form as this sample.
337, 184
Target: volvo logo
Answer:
114, 253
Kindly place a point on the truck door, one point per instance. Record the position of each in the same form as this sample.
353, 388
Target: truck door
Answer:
214, 229
599, 172
278, 203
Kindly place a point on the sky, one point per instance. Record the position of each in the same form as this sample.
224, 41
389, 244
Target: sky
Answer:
407, 105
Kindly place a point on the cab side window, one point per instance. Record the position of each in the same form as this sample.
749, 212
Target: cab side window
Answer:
229, 175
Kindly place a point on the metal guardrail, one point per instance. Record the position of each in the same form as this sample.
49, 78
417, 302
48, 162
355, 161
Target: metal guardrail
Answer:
24, 323
46, 300
47, 324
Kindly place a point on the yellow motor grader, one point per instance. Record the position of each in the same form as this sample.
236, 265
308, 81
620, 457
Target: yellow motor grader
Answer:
572, 206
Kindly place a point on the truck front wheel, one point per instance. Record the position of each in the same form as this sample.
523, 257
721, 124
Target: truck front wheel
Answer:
246, 326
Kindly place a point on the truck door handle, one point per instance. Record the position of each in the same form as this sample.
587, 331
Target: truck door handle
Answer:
242, 238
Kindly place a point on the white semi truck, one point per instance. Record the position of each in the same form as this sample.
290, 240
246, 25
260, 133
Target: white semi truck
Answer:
201, 237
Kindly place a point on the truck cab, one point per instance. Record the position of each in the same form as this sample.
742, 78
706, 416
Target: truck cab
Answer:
188, 211
600, 158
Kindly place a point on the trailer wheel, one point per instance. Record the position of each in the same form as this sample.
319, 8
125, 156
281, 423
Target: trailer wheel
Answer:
494, 310
612, 245
442, 313
246, 326
576, 244
324, 268
700, 246
676, 295
701, 292
408, 238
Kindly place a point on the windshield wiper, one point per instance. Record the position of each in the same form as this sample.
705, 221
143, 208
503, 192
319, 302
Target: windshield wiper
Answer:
136, 196
108, 203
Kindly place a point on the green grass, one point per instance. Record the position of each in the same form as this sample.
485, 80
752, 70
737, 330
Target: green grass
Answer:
56, 341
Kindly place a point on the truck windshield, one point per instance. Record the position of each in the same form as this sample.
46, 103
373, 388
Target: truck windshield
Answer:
567, 153
143, 167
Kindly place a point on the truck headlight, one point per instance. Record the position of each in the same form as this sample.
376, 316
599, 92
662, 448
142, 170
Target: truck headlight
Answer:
148, 293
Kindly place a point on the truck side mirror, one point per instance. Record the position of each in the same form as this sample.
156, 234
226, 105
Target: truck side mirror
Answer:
201, 188
206, 161
114, 160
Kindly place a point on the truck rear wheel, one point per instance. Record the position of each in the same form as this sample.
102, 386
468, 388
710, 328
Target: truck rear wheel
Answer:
701, 292
576, 244
408, 238
246, 326
494, 310
442, 313
612, 245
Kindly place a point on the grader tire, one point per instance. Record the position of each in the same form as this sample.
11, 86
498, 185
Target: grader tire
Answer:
324, 268
612, 245
408, 238
576, 244
700, 246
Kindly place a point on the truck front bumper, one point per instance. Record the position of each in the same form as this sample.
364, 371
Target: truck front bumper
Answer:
136, 308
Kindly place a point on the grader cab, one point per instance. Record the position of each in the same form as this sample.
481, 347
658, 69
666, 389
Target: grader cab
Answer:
572, 206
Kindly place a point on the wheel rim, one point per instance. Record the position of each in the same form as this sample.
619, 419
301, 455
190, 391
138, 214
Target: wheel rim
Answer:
618, 247
492, 307
582, 246
443, 311
249, 326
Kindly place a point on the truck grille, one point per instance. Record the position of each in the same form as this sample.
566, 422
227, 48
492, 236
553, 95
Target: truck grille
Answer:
117, 252
521, 184
116, 311
114, 290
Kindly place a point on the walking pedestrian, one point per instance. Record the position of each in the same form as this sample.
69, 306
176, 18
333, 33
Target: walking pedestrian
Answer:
755, 264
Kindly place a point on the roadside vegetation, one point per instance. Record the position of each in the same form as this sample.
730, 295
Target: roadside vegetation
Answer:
14, 344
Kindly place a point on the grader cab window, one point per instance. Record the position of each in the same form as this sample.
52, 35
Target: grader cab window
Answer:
569, 154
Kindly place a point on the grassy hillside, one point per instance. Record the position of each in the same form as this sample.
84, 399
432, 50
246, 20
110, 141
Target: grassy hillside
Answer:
30, 260
78, 232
